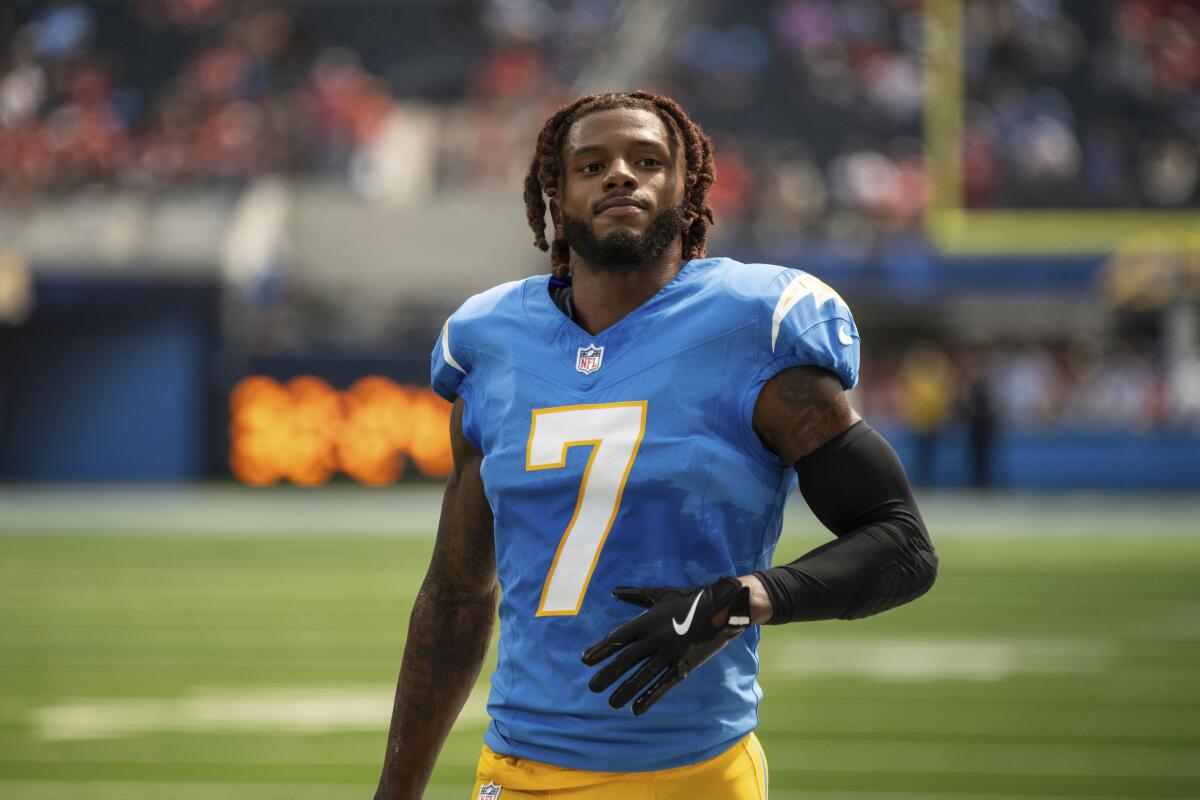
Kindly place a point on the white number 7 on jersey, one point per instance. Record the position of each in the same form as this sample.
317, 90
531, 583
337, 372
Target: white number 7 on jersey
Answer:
614, 431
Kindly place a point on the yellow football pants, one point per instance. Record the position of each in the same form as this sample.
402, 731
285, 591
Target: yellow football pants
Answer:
740, 773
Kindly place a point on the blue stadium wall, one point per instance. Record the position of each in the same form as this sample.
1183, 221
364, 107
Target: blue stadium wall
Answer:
1060, 460
109, 382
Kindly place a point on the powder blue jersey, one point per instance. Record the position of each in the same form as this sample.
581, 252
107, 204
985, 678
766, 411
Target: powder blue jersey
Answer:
627, 458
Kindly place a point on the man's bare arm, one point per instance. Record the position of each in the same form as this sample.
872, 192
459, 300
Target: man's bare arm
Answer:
799, 410
449, 629
856, 486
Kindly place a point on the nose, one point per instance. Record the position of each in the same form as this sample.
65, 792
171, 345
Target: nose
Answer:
620, 175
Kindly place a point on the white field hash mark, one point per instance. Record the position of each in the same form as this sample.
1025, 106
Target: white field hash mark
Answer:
300, 710
925, 659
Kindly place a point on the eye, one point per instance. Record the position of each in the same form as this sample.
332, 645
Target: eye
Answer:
591, 168
650, 162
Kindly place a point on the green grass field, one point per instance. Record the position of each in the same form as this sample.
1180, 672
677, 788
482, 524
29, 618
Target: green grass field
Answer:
228, 643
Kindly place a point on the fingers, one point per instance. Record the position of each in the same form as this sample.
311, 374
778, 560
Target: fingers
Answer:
625, 661
599, 651
618, 638
661, 686
625, 634
646, 673
637, 595
644, 649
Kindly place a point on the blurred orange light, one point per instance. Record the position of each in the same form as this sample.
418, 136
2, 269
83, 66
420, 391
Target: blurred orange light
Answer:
305, 431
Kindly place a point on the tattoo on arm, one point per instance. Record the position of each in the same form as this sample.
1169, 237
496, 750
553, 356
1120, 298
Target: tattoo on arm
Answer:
449, 629
800, 409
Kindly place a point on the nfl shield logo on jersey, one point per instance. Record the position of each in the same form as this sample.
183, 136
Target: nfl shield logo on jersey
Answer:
589, 359
489, 791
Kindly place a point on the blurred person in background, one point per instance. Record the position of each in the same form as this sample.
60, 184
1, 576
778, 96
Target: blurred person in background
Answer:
979, 413
1183, 390
927, 393
698, 384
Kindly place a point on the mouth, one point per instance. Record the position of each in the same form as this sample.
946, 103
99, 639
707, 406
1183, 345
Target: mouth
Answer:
619, 206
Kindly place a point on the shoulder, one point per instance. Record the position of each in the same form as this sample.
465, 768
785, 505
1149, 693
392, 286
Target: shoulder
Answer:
484, 316
781, 293
497, 301
799, 319
476, 326
746, 281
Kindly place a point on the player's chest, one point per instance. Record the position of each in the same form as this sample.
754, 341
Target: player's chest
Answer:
575, 385
656, 410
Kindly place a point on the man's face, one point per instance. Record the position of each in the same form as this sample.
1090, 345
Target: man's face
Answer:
622, 188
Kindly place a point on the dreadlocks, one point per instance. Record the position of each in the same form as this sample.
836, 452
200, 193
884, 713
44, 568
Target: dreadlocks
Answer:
545, 169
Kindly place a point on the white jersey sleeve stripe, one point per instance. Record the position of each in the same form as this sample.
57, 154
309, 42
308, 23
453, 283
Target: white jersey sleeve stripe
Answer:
446, 349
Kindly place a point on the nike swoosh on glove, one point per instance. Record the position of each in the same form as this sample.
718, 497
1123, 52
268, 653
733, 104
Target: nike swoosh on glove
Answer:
668, 641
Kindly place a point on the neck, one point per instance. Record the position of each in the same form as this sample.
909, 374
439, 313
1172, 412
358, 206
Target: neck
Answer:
602, 297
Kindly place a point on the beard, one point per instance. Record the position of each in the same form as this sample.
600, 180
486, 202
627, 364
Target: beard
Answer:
622, 250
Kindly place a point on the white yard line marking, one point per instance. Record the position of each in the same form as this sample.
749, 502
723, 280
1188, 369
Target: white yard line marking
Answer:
215, 511
136, 790
916, 659
267, 710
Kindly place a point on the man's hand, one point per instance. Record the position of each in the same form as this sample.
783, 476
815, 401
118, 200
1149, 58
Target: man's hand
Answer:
682, 629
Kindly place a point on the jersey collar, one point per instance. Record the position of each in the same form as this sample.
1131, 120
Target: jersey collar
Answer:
563, 333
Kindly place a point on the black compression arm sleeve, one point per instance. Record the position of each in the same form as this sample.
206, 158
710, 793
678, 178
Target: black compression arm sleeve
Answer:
882, 557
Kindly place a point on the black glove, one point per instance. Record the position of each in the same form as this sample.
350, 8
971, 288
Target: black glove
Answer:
673, 638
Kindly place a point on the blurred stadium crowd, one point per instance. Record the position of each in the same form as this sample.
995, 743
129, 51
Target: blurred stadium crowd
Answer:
155, 94
816, 108
1031, 387
1099, 107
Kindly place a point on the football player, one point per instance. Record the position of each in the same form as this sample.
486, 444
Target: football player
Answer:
626, 431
